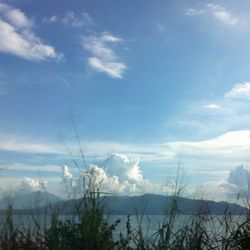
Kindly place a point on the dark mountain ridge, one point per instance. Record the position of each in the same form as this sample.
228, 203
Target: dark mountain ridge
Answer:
150, 204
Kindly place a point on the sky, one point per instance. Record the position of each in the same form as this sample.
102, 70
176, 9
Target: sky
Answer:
141, 87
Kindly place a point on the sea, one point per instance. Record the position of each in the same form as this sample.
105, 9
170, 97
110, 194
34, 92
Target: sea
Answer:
149, 225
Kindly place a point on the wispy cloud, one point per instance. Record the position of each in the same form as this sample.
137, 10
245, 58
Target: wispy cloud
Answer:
18, 38
50, 19
18, 166
222, 14
239, 91
103, 57
225, 150
194, 12
212, 106
23, 144
217, 11
70, 18
200, 159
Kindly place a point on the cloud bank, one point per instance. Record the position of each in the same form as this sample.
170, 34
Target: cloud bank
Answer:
120, 174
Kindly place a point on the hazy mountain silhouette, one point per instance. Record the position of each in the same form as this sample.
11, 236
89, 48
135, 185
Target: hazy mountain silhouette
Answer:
144, 204
29, 200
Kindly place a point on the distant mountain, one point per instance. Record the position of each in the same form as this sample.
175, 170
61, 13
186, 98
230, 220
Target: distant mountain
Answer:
150, 204
29, 200
159, 204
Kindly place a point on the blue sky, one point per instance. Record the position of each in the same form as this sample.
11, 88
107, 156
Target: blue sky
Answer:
160, 81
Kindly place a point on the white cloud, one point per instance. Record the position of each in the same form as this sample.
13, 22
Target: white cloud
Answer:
194, 12
239, 91
125, 167
17, 37
212, 106
30, 184
70, 18
51, 19
119, 174
235, 187
225, 17
217, 11
230, 147
222, 15
230, 144
23, 144
17, 166
201, 160
104, 58
240, 177
66, 173
113, 69
16, 17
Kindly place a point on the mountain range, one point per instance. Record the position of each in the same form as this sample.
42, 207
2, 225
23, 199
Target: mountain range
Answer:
150, 204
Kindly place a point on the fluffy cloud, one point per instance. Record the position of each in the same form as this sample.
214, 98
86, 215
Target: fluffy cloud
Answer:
239, 91
202, 161
104, 58
125, 167
233, 186
237, 184
217, 11
18, 38
30, 185
70, 18
240, 177
119, 174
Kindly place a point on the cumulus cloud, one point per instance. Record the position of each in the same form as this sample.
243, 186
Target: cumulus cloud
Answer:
127, 168
204, 160
233, 186
217, 11
119, 174
239, 91
70, 18
104, 59
240, 177
30, 185
18, 38
236, 186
